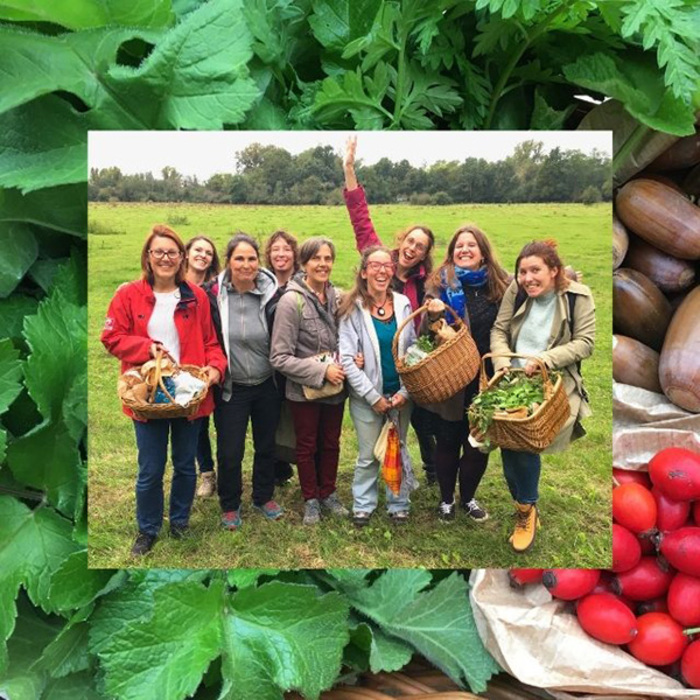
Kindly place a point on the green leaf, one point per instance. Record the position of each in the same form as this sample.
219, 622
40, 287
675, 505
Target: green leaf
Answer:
242, 578
336, 23
33, 545
438, 623
33, 154
384, 653
266, 116
10, 374
170, 651
12, 313
88, 13
68, 652
77, 685
546, 117
282, 637
57, 338
47, 458
638, 85
74, 585
196, 77
62, 209
43, 271
19, 251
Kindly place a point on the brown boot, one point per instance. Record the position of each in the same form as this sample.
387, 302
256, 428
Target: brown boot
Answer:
525, 527
207, 484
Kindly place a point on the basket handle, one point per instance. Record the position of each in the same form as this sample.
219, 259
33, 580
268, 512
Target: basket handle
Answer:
159, 377
410, 317
546, 381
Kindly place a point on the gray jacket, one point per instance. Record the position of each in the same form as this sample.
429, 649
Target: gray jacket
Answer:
266, 285
302, 329
357, 334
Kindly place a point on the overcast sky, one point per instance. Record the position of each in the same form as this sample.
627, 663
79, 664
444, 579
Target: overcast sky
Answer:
203, 153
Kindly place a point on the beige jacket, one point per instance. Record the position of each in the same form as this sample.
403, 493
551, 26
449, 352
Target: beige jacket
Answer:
562, 353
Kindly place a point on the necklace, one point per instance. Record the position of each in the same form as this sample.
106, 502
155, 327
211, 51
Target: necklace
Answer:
381, 312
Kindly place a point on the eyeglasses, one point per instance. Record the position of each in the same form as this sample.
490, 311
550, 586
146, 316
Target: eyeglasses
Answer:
376, 266
170, 254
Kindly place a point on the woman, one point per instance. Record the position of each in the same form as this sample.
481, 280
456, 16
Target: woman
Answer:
201, 265
161, 311
471, 282
243, 297
369, 317
549, 316
305, 326
413, 264
282, 258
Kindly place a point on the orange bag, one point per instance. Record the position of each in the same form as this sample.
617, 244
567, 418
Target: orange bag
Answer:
391, 466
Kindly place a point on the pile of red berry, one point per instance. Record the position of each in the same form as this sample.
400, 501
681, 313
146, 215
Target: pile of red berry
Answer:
650, 600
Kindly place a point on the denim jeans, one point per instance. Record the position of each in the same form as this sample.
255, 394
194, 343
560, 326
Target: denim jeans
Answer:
259, 403
152, 442
522, 473
204, 458
368, 425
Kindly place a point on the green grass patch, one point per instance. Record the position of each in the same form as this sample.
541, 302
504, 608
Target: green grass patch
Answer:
575, 485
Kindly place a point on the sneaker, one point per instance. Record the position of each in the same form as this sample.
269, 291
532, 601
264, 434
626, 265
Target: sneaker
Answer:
399, 517
178, 532
446, 511
143, 544
361, 518
231, 519
312, 512
334, 506
475, 511
207, 484
271, 510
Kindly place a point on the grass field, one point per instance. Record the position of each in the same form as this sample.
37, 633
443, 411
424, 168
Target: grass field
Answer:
575, 485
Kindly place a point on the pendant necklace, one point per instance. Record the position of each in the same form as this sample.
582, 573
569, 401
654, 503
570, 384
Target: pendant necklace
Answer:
380, 309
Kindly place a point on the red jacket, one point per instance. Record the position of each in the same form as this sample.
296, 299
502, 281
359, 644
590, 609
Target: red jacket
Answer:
125, 333
365, 236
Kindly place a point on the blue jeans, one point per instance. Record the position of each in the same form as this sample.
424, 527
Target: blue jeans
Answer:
368, 425
522, 473
152, 442
204, 457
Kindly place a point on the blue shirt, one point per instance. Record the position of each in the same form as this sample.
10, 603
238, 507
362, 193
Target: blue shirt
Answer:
385, 335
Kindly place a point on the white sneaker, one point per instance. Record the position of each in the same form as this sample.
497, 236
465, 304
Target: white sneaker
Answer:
207, 484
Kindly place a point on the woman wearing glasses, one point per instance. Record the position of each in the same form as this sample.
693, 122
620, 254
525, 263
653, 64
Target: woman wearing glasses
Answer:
369, 317
162, 311
413, 264
201, 265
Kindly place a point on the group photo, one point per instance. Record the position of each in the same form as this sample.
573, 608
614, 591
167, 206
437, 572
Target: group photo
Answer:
351, 350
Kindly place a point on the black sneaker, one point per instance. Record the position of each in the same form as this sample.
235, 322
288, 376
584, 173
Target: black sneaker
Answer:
475, 511
178, 532
446, 511
143, 544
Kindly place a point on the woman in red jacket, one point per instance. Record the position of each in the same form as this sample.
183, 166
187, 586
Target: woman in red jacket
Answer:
163, 312
413, 264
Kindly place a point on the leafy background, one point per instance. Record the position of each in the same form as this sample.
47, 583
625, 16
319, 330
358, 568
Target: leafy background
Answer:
72, 65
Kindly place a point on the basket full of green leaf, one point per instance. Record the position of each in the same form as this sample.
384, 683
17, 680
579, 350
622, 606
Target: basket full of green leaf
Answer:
449, 361
519, 412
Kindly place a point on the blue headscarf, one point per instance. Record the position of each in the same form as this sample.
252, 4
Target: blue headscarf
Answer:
453, 294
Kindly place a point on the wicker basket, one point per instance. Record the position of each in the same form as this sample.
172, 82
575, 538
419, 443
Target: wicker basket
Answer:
449, 368
536, 432
421, 681
142, 405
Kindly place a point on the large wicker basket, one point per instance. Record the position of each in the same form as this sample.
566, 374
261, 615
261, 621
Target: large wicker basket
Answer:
142, 404
536, 432
449, 368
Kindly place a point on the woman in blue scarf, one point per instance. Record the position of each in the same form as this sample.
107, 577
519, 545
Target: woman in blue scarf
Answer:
472, 283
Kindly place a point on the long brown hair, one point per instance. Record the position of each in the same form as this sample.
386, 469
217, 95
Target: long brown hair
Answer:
498, 278
547, 251
359, 289
215, 265
427, 262
164, 232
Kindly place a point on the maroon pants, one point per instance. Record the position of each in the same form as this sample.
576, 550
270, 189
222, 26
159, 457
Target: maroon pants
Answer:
317, 427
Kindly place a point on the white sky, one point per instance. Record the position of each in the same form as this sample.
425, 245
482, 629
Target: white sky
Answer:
203, 153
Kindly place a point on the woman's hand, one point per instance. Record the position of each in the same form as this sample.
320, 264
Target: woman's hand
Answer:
478, 436
213, 375
381, 406
531, 367
359, 360
398, 401
335, 374
436, 307
349, 163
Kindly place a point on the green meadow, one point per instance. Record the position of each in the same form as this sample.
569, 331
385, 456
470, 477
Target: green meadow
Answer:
575, 485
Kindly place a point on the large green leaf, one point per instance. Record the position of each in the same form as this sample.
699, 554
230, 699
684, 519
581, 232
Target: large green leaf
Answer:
89, 13
19, 251
74, 585
12, 313
10, 374
282, 637
336, 23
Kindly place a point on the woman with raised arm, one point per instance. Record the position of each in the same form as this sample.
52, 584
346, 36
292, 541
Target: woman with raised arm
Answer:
549, 316
201, 265
163, 312
471, 282
413, 263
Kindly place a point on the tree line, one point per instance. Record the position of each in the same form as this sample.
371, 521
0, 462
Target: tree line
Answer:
271, 175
